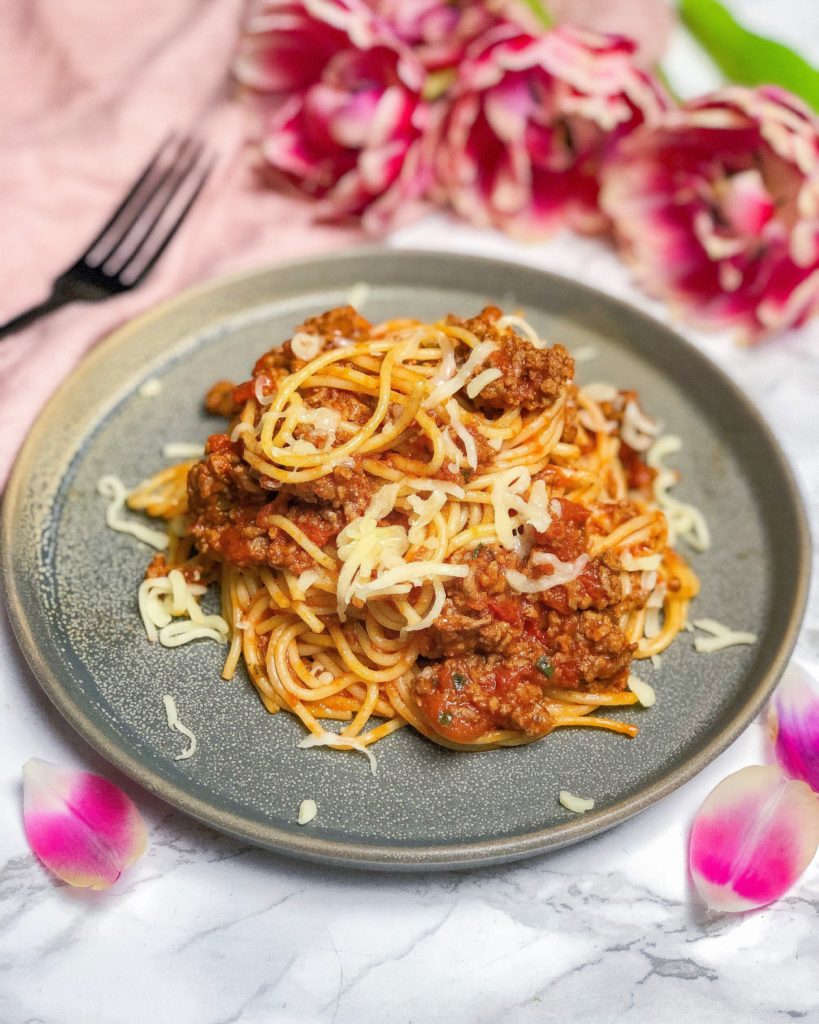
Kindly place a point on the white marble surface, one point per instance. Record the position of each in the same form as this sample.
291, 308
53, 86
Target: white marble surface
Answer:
206, 930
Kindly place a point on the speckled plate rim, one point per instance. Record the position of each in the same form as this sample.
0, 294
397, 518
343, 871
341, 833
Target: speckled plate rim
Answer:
408, 857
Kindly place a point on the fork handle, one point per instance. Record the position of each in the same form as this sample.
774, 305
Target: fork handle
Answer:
54, 301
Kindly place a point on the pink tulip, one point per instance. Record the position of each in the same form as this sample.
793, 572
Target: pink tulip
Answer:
717, 208
647, 22
531, 121
437, 31
795, 720
347, 122
81, 826
752, 838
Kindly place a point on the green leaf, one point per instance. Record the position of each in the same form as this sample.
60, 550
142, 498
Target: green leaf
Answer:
545, 666
745, 57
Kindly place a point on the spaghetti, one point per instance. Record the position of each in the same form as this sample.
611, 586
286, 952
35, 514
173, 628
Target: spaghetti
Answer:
427, 524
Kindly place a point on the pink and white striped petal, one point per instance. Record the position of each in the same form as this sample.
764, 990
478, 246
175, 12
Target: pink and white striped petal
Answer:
752, 838
81, 826
795, 720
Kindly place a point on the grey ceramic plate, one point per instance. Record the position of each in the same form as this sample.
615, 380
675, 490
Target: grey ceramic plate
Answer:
71, 583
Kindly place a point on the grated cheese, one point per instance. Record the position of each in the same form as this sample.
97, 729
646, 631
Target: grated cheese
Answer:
324, 420
506, 489
401, 578
338, 742
383, 501
305, 346
261, 398
307, 809
596, 422
452, 451
424, 511
646, 563
721, 637
307, 579
163, 598
534, 511
684, 521
564, 573
358, 295
242, 428
643, 691
174, 723
113, 489
524, 327
447, 387
421, 483
600, 392
181, 450
477, 384
637, 430
468, 441
578, 804
150, 388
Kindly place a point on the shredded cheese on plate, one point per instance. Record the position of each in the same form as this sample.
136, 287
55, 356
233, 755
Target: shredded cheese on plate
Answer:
721, 637
174, 723
578, 804
112, 488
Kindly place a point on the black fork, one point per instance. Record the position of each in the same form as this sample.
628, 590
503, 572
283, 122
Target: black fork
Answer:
136, 234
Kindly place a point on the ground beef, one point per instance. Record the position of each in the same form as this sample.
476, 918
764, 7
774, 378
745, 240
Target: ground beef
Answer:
465, 698
639, 475
219, 400
334, 327
531, 378
566, 536
347, 488
483, 613
353, 408
231, 514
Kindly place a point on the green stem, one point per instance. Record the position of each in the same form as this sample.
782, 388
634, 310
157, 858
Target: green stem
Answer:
538, 8
663, 79
747, 58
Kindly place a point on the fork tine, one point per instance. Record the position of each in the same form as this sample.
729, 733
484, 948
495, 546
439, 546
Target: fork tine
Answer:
152, 213
169, 234
179, 162
135, 188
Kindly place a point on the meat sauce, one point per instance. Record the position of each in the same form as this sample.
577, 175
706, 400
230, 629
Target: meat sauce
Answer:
488, 659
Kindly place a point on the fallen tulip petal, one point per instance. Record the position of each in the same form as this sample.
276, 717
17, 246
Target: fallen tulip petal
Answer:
795, 720
81, 826
752, 838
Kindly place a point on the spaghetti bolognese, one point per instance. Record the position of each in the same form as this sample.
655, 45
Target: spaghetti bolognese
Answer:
426, 524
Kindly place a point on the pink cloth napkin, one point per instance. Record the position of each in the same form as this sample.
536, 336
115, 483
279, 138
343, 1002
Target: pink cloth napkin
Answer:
88, 89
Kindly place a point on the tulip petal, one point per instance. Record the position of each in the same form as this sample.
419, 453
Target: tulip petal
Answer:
795, 721
752, 838
716, 205
81, 826
533, 118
